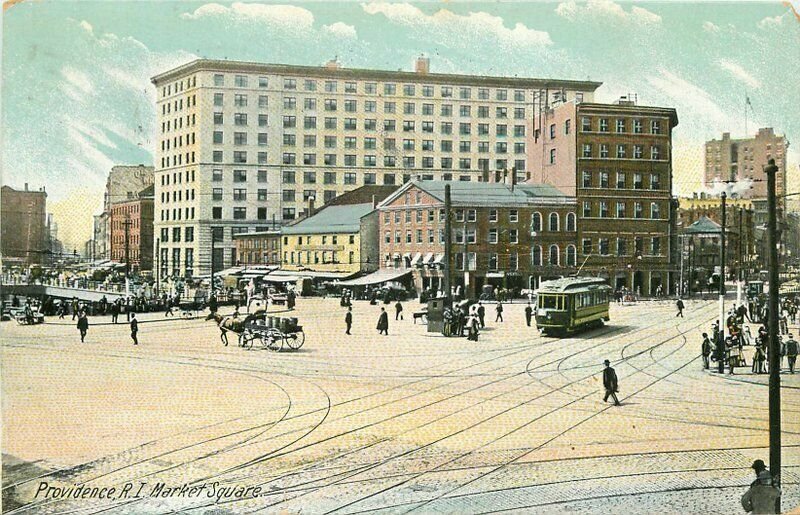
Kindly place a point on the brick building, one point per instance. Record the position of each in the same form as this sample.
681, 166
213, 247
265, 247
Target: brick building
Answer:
137, 215
258, 248
491, 234
617, 161
25, 233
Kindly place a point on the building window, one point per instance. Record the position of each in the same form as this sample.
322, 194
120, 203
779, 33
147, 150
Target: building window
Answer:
586, 246
604, 179
586, 124
638, 211
554, 255
587, 209
586, 179
655, 246
553, 222
655, 211
655, 181
219, 79
620, 151
603, 125
602, 244
637, 126
288, 195
655, 127
239, 213
552, 156
655, 153
567, 126
637, 181
637, 151
620, 209
587, 150
216, 213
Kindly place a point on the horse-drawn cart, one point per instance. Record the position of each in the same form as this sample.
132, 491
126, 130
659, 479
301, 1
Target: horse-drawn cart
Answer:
271, 332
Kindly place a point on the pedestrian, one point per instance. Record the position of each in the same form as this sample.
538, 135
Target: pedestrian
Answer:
679, 304
610, 383
398, 311
528, 314
129, 308
383, 323
74, 307
729, 348
83, 324
783, 322
114, 312
499, 309
134, 328
103, 305
290, 299
762, 496
706, 350
62, 309
791, 352
348, 319
168, 312
482, 314
212, 303
472, 328
758, 360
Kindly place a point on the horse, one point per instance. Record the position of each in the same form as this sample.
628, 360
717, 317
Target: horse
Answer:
228, 323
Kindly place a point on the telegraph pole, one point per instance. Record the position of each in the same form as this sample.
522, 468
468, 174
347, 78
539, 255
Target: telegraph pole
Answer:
774, 346
724, 196
466, 265
447, 253
739, 275
158, 264
127, 223
212, 260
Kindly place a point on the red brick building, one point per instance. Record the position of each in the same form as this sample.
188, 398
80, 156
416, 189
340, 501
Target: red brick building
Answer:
504, 236
137, 214
617, 161
258, 248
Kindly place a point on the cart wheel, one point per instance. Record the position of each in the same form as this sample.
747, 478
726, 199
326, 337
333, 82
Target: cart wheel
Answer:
274, 337
296, 340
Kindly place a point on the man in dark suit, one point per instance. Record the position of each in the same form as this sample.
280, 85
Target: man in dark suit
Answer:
528, 314
482, 314
383, 323
610, 383
348, 319
134, 328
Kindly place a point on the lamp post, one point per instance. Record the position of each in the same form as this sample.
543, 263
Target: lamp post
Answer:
723, 196
774, 346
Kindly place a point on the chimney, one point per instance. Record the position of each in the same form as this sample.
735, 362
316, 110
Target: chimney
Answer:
333, 64
311, 206
26, 186
422, 65
374, 202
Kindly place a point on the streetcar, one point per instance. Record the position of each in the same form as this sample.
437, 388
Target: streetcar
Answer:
570, 304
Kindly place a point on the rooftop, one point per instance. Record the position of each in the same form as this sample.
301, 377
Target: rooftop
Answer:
704, 225
360, 73
332, 219
363, 195
486, 193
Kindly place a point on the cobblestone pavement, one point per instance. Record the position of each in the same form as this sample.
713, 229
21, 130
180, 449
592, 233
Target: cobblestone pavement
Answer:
412, 422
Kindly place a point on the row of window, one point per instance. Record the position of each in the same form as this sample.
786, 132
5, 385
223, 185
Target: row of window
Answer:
324, 239
177, 123
186, 232
325, 257
179, 86
603, 246
177, 195
602, 209
177, 105
177, 213
496, 261
622, 126
588, 149
601, 180
177, 141
371, 88
371, 124
371, 106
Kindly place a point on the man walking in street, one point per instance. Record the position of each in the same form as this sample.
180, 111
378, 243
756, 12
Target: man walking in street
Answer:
482, 315
762, 496
398, 311
679, 304
74, 307
499, 309
83, 325
610, 383
348, 319
134, 328
114, 312
791, 352
528, 314
383, 322
706, 351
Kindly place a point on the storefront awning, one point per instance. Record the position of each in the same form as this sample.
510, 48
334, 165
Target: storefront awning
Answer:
291, 276
439, 259
416, 259
381, 276
428, 258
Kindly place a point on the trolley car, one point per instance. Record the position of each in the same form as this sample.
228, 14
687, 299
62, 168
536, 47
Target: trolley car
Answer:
570, 304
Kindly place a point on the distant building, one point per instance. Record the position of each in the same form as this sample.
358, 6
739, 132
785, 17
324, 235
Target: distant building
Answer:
258, 248
25, 232
253, 143
744, 159
617, 161
100, 232
131, 235
501, 236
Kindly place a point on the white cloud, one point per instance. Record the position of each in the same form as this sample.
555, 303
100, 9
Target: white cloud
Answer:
771, 22
689, 97
87, 26
341, 30
78, 79
287, 17
739, 73
448, 28
608, 10
710, 27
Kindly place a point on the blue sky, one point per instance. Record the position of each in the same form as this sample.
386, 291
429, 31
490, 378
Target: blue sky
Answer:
76, 94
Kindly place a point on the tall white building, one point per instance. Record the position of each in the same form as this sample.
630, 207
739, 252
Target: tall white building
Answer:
245, 146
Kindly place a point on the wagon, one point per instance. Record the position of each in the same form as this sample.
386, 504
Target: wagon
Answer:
273, 333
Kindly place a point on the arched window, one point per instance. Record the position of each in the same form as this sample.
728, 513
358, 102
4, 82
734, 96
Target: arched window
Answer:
554, 255
571, 222
536, 255
553, 223
571, 255
536, 222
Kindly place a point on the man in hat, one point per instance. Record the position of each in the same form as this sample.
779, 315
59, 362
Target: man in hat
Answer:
610, 383
348, 319
791, 352
528, 314
762, 496
706, 350
383, 323
679, 305
134, 329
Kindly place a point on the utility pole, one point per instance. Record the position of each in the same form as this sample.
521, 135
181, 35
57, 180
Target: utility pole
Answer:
158, 265
724, 196
774, 346
127, 223
683, 245
447, 251
212, 260
739, 275
466, 264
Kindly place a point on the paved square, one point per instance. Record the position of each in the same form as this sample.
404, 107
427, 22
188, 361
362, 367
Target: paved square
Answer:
406, 422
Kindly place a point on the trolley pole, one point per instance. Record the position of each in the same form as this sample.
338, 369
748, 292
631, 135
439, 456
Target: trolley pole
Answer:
724, 196
448, 296
774, 346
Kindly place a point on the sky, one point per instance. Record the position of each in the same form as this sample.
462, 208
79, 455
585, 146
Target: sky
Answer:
77, 98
